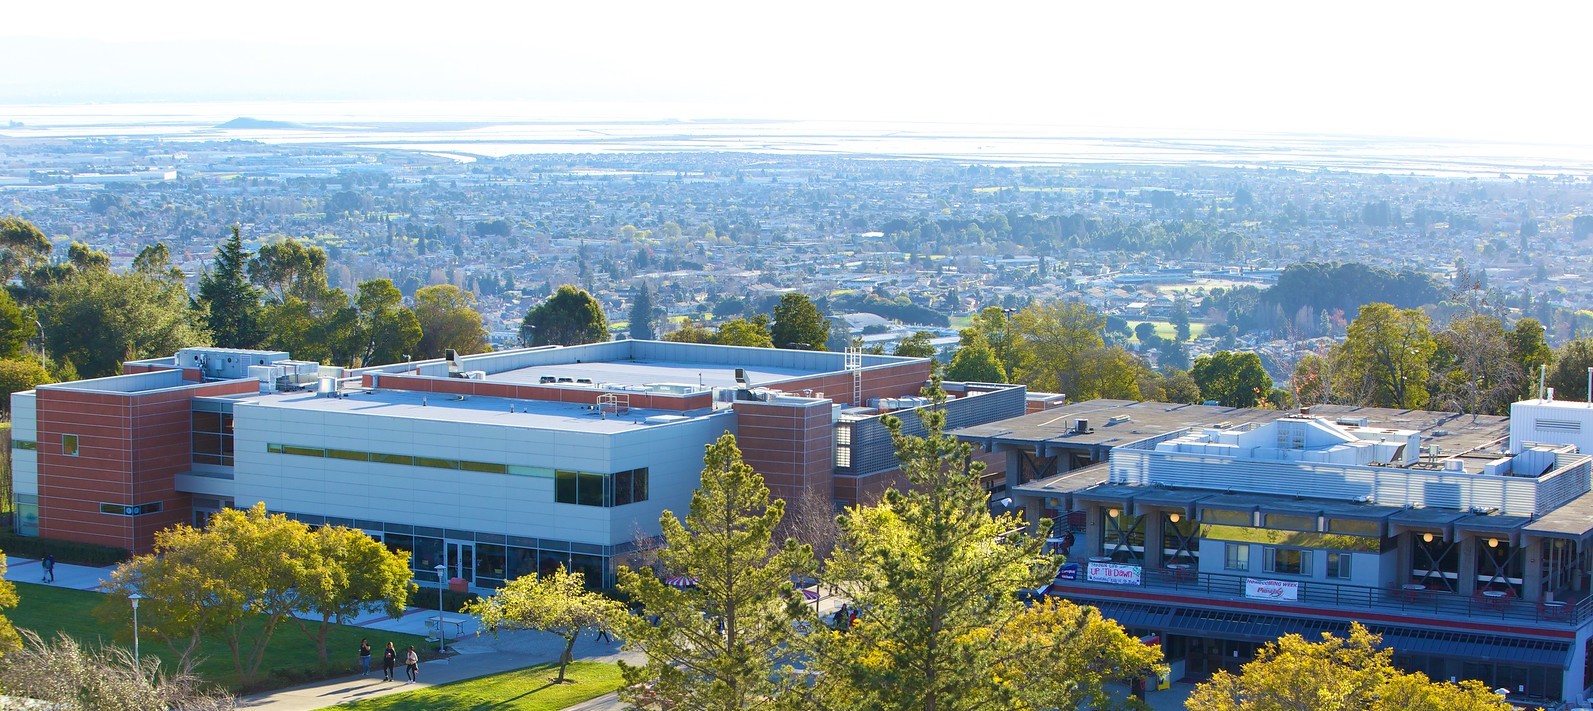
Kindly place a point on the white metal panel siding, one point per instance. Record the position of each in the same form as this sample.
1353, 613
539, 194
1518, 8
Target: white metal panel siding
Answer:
1390, 486
24, 426
511, 504
673, 456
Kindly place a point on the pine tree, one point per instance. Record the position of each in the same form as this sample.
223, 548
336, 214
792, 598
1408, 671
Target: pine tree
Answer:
644, 316
233, 303
717, 646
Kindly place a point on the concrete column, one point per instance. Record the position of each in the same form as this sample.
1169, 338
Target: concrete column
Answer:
1468, 565
1404, 556
1014, 463
1531, 555
1033, 507
1153, 539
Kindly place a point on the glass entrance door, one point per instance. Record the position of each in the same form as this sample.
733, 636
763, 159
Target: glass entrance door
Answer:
461, 561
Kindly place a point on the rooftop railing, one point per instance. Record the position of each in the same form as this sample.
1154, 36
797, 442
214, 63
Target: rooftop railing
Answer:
1420, 603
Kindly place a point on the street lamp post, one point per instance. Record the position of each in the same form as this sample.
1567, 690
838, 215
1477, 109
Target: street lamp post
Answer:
442, 637
134, 598
41, 346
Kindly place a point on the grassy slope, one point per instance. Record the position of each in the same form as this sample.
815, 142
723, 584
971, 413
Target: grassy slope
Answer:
290, 657
523, 690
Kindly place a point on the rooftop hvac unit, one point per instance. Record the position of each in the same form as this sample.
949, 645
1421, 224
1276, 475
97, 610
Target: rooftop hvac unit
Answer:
455, 370
1081, 425
325, 387
1454, 465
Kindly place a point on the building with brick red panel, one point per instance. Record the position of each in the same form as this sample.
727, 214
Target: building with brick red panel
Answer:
494, 465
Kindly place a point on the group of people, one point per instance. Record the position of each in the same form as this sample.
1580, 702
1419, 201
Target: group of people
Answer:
390, 661
49, 567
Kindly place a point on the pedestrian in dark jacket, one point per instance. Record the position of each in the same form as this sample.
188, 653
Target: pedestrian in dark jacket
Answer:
389, 660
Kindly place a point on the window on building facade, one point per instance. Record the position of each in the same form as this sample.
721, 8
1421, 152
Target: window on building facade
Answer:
1236, 556
212, 438
1338, 565
1288, 561
607, 490
69, 445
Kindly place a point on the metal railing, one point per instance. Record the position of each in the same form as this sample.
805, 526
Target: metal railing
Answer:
1423, 603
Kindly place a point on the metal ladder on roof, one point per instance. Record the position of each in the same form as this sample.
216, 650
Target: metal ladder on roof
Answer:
854, 363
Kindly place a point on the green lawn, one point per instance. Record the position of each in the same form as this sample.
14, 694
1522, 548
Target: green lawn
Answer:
290, 658
1165, 329
529, 689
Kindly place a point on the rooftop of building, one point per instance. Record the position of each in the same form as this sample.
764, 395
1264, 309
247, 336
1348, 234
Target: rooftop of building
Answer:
1113, 423
434, 407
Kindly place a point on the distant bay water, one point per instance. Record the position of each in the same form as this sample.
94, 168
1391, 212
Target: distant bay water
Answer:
465, 131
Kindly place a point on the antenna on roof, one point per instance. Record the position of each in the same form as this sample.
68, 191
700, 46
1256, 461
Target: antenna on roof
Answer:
1543, 372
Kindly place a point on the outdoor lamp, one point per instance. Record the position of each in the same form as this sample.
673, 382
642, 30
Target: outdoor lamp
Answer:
1112, 512
1427, 538
1174, 517
1493, 543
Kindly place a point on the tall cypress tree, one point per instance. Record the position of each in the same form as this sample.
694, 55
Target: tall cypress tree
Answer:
234, 303
644, 315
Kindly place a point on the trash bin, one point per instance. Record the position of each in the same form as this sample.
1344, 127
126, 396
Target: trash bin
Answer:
458, 585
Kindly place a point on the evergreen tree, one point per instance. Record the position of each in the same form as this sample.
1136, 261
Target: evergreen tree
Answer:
916, 346
233, 303
936, 579
644, 316
798, 324
570, 317
718, 645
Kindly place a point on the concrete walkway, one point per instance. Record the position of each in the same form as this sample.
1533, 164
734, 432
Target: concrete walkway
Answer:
471, 657
76, 577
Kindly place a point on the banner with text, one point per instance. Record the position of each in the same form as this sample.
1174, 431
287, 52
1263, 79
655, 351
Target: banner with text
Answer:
1271, 589
1113, 573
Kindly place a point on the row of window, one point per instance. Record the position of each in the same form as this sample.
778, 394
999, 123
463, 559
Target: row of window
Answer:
408, 460
607, 490
1285, 561
212, 435
125, 510
569, 487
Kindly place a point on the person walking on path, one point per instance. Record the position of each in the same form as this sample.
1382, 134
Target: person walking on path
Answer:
49, 567
412, 665
602, 635
389, 659
365, 658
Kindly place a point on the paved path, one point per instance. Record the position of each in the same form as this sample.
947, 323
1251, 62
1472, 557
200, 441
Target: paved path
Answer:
474, 656
77, 577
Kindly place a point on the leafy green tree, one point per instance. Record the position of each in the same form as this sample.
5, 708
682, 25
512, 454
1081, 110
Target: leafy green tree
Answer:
936, 578
1180, 319
557, 603
1310, 380
1336, 674
155, 261
753, 333
692, 332
798, 324
1052, 340
569, 317
1232, 378
387, 331
231, 303
9, 640
16, 327
22, 247
97, 319
1385, 359
448, 319
1113, 373
287, 269
346, 572
993, 324
718, 646
1568, 375
1529, 348
916, 346
644, 315
975, 361
1145, 331
1179, 386
19, 374
84, 258
239, 579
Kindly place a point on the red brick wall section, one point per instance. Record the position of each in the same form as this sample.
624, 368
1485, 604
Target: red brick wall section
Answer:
544, 393
898, 380
868, 489
130, 447
790, 444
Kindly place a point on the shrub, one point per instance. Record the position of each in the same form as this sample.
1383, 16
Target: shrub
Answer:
64, 551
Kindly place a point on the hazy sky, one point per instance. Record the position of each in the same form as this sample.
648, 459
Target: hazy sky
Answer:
1502, 71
